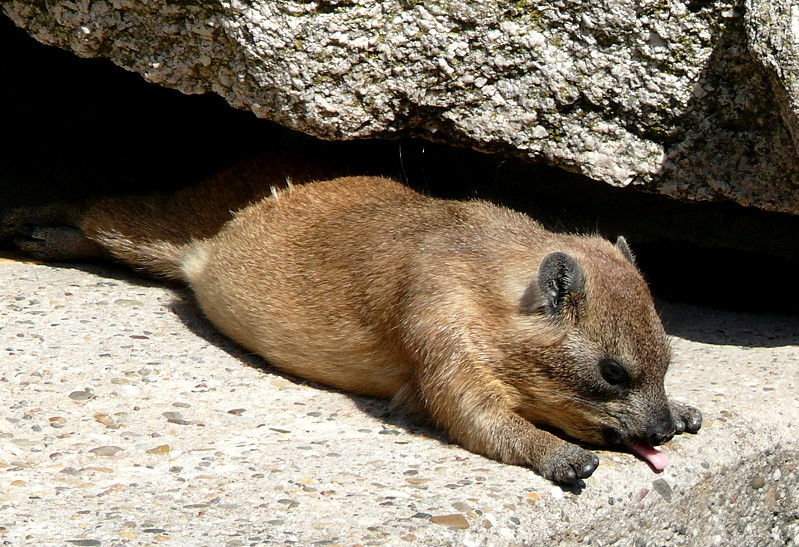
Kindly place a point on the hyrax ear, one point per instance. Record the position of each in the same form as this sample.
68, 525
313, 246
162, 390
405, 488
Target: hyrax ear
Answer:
560, 280
623, 248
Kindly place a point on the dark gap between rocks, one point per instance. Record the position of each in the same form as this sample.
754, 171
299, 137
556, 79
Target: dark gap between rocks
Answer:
83, 126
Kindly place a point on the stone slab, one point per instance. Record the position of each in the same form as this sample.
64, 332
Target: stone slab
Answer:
128, 420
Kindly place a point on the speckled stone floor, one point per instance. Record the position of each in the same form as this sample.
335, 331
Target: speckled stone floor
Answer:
127, 420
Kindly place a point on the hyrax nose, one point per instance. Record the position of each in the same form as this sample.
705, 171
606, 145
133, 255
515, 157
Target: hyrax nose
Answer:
662, 432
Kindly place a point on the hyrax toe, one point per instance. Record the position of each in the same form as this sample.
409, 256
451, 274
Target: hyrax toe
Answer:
686, 418
569, 464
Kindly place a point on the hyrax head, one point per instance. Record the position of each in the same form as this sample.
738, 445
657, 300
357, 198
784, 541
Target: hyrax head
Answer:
600, 376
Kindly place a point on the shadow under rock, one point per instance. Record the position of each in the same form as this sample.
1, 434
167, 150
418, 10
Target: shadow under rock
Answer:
729, 328
100, 268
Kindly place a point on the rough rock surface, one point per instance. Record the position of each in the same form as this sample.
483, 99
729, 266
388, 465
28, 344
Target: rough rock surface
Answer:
773, 35
127, 420
686, 98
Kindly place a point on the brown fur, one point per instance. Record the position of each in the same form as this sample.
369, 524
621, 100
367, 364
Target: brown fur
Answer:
457, 309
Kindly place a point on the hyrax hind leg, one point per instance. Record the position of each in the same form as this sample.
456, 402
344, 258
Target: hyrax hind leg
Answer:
147, 231
49, 232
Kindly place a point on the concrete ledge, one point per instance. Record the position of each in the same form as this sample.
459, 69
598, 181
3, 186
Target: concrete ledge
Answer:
128, 421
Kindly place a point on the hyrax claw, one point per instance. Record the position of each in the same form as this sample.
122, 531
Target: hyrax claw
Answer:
570, 464
689, 417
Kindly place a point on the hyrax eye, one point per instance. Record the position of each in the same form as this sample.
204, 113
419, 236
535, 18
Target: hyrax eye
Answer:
613, 373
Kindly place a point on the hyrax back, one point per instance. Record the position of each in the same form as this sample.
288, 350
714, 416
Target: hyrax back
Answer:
470, 313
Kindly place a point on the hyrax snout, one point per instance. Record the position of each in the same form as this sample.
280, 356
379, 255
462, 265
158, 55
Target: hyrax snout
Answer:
470, 313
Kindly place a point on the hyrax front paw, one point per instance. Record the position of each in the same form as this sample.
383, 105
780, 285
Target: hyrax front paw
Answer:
686, 418
569, 463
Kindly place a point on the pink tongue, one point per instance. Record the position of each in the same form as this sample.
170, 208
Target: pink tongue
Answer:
656, 459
